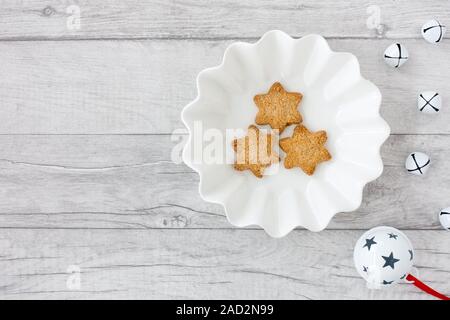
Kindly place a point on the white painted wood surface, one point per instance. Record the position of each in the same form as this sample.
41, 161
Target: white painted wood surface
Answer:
92, 87
201, 264
129, 181
86, 173
31, 19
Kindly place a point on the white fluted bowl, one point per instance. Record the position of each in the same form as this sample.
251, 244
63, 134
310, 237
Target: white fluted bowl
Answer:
336, 98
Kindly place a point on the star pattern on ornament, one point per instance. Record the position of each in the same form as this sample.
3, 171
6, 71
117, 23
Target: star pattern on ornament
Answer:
305, 149
369, 243
387, 282
391, 235
278, 108
390, 261
411, 255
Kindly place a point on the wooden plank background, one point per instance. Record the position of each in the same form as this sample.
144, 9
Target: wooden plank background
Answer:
87, 178
224, 19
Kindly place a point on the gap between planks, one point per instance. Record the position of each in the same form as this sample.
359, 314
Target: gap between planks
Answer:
248, 39
256, 229
177, 134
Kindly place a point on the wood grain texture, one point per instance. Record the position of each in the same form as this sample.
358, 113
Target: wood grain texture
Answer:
130, 182
109, 87
87, 177
35, 19
202, 264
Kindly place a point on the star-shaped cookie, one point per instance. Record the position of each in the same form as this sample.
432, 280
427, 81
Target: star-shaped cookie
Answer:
254, 152
278, 108
305, 149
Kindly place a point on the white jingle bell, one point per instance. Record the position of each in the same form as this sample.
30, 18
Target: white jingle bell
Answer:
429, 102
433, 31
383, 256
417, 163
444, 218
396, 55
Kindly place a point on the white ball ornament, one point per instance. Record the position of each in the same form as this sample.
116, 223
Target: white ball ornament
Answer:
429, 102
383, 256
444, 218
417, 163
433, 31
396, 55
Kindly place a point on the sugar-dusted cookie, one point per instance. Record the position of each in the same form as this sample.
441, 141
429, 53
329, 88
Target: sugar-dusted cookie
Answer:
305, 149
254, 152
278, 108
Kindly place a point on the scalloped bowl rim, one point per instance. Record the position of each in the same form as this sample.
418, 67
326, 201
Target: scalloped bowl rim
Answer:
189, 163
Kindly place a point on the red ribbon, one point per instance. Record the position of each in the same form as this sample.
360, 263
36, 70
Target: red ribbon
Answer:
422, 286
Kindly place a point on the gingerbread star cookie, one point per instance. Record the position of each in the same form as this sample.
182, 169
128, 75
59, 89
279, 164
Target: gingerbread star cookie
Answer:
305, 149
278, 108
254, 152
